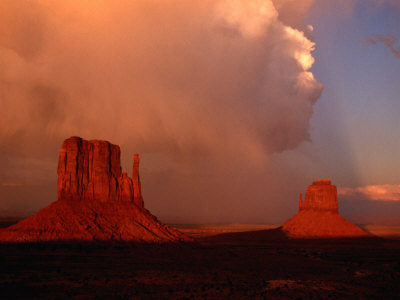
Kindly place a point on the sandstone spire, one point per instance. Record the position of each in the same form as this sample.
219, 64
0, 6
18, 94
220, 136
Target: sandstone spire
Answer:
137, 190
301, 202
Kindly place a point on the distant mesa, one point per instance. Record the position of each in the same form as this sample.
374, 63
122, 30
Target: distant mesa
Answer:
318, 215
96, 201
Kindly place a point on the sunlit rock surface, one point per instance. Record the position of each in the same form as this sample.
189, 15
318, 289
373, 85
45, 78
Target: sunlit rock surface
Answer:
318, 215
96, 201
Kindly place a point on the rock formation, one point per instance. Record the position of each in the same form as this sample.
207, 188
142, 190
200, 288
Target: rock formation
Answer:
136, 181
318, 215
96, 201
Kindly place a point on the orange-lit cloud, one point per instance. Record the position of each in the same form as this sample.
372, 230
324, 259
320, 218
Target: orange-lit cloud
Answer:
168, 76
202, 88
385, 192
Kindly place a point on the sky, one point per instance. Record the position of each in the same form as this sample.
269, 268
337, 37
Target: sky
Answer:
235, 107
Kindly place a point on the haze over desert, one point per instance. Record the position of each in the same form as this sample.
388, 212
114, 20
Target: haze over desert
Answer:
216, 149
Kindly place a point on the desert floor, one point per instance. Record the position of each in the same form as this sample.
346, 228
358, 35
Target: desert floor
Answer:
236, 262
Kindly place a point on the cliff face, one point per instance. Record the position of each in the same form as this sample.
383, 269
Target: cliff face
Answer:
96, 201
318, 215
91, 171
320, 196
88, 170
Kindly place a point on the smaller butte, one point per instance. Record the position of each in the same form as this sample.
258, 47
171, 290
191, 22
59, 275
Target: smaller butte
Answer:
318, 215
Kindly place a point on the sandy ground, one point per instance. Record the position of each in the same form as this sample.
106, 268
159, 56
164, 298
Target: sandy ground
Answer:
385, 231
225, 262
201, 230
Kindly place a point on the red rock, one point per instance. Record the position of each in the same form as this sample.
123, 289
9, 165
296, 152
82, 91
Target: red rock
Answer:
320, 196
88, 170
125, 188
318, 215
96, 201
136, 181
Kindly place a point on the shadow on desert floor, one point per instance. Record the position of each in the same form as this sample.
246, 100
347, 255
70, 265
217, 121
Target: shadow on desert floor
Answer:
243, 265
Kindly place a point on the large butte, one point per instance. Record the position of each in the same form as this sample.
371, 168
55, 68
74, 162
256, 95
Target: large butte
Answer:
96, 201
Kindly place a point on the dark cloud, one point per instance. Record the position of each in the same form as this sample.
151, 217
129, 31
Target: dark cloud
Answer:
388, 41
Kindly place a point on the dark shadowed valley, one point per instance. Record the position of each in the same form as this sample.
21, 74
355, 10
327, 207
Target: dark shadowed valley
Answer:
261, 264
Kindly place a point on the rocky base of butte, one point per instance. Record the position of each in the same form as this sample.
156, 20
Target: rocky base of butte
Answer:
318, 215
96, 201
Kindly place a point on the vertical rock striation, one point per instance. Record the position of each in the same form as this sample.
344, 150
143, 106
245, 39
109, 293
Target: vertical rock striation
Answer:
320, 196
88, 170
91, 171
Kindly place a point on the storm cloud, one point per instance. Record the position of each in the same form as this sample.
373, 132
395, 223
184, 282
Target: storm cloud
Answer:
200, 87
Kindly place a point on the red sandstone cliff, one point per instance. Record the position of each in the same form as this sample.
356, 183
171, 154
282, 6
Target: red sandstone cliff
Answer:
318, 215
96, 201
